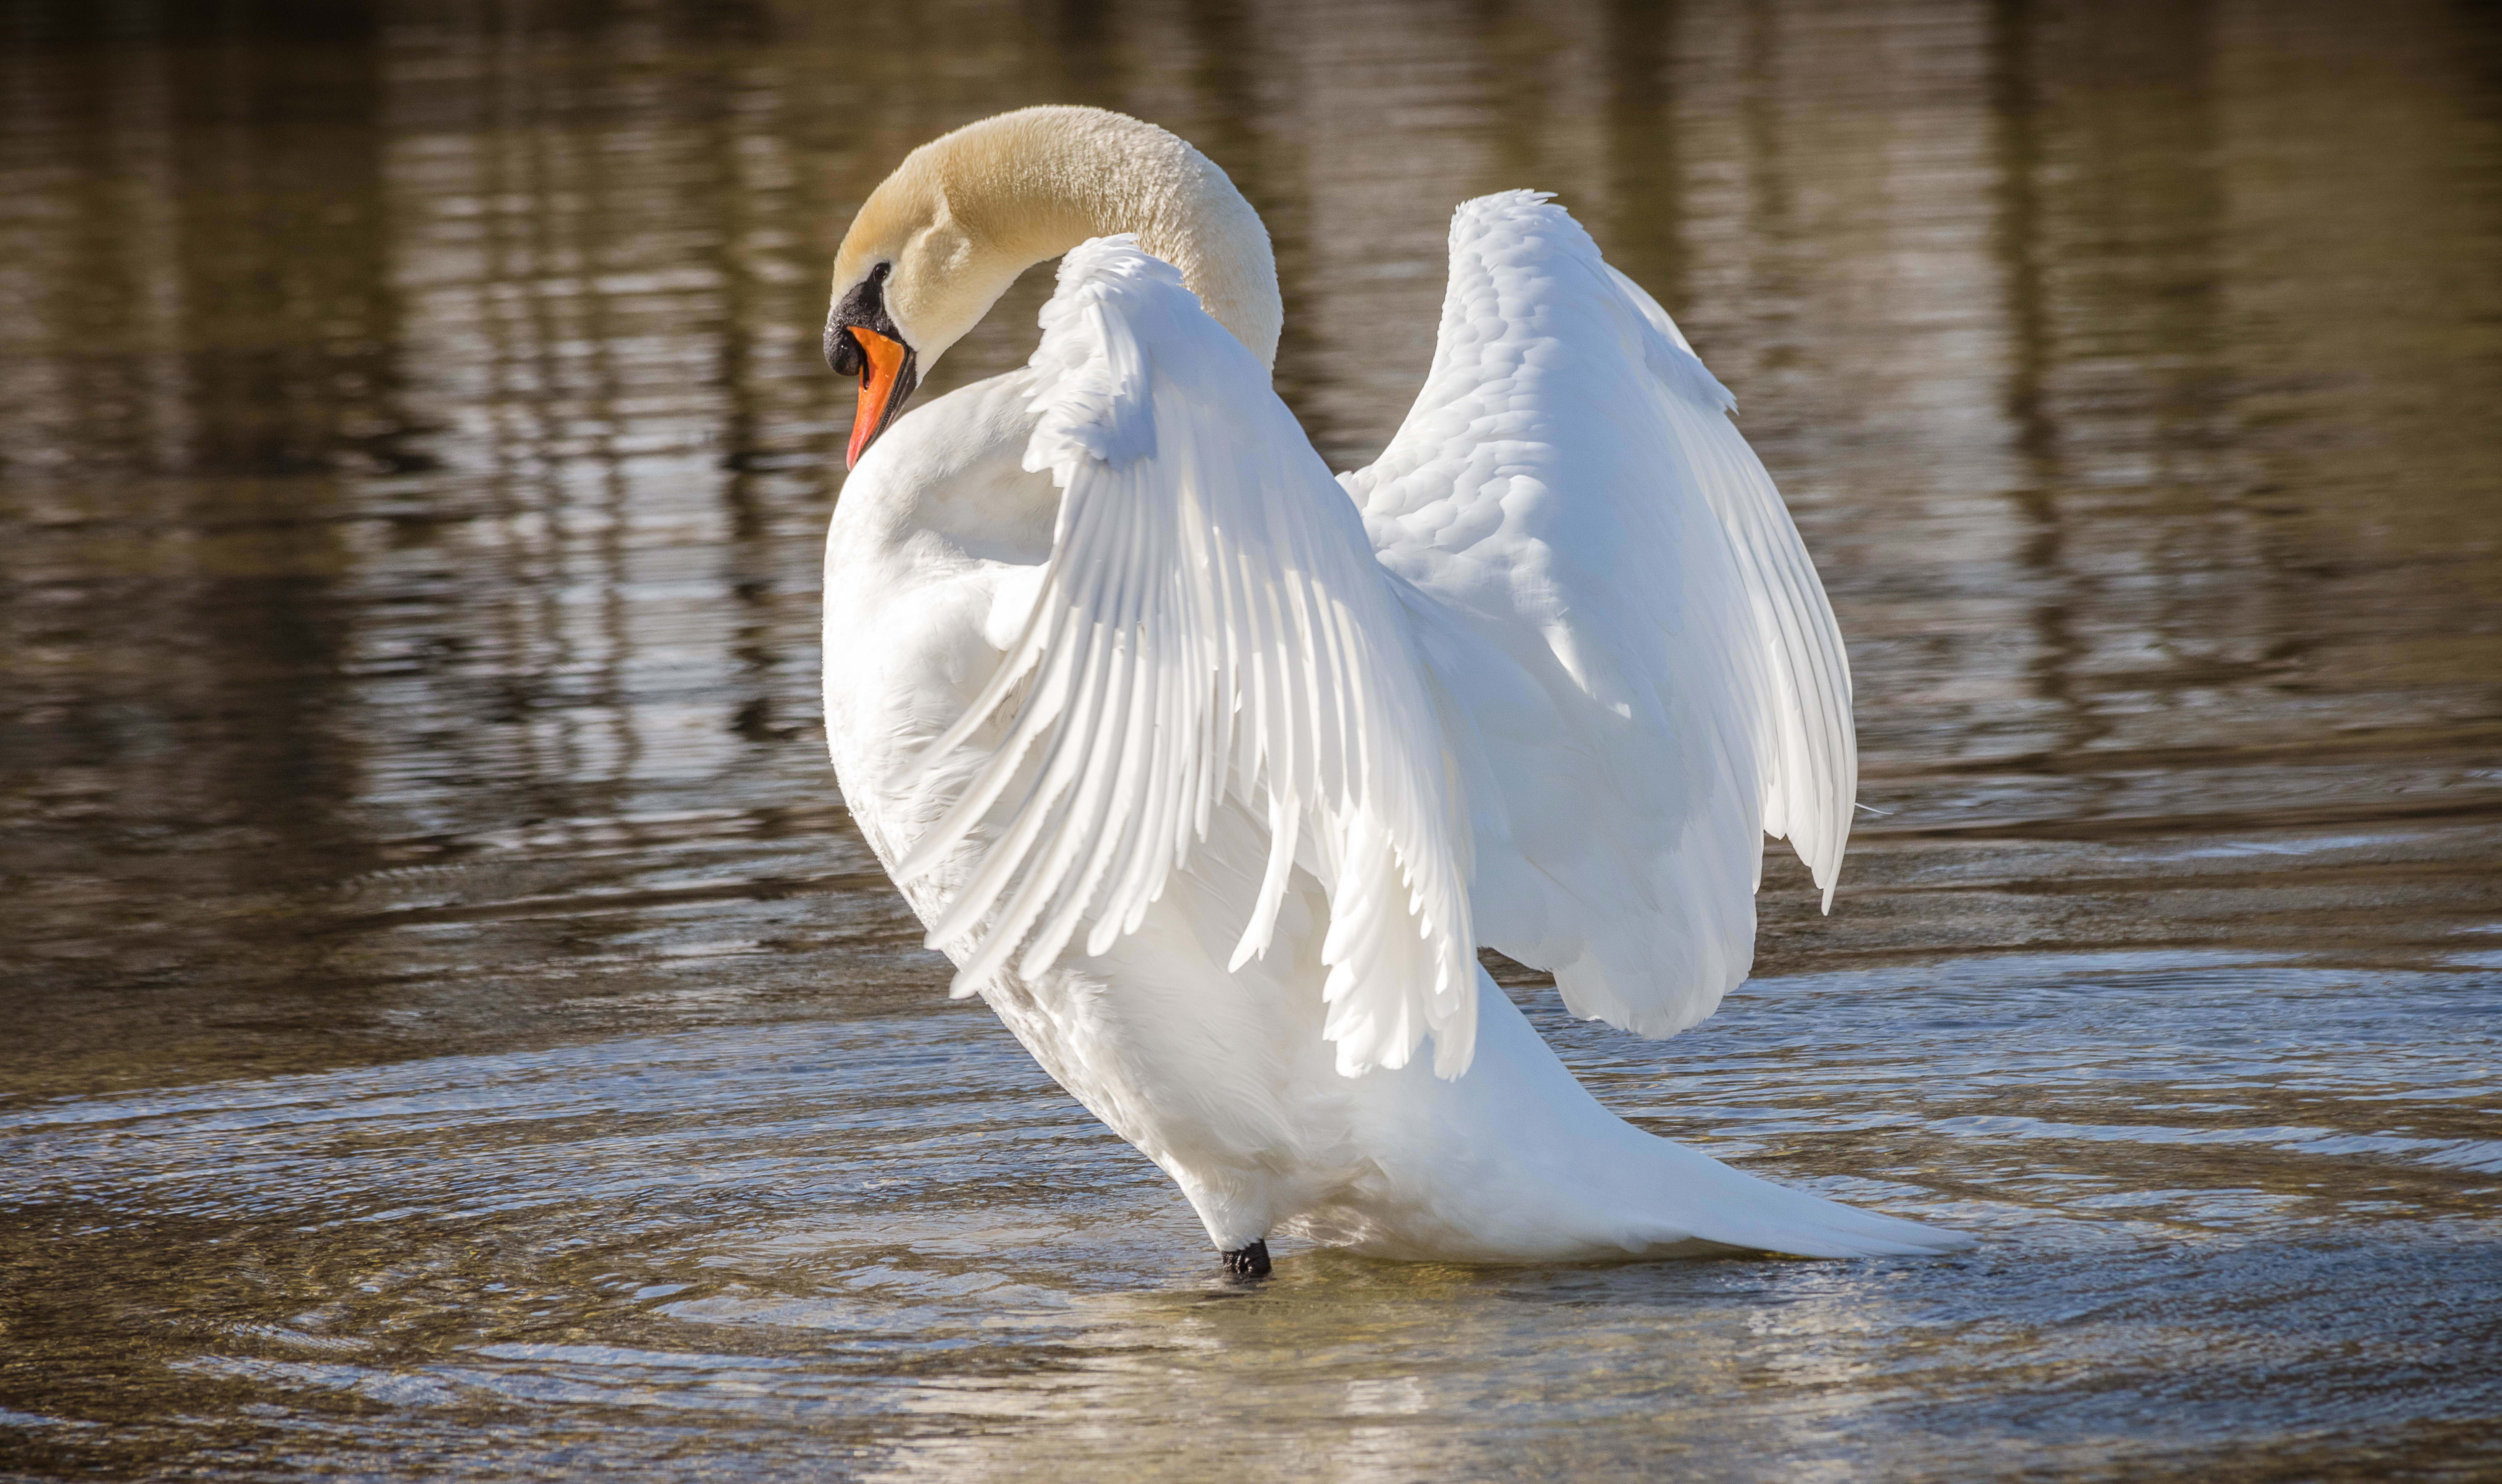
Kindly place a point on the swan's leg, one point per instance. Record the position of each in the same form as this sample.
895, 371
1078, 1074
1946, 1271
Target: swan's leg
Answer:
1250, 1261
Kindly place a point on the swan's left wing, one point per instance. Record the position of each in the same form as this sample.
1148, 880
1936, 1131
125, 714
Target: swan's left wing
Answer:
1212, 624
1636, 660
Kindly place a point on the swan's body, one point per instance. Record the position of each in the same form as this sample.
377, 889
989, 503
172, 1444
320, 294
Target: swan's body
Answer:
1211, 783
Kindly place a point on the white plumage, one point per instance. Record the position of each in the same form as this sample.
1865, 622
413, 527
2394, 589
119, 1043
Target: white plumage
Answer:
1211, 627
1212, 772
1643, 662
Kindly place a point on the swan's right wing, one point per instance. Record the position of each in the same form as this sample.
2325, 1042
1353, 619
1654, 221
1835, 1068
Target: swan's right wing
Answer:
1212, 624
1635, 656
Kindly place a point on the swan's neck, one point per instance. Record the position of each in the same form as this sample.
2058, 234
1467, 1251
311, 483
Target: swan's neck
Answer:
1028, 186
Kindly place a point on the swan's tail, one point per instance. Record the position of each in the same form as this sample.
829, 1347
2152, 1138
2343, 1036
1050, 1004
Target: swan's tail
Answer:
1705, 1198
1516, 1162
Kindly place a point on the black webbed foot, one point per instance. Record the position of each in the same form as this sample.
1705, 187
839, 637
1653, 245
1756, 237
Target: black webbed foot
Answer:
1250, 1261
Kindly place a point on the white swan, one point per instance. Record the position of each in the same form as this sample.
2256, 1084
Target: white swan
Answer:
1210, 771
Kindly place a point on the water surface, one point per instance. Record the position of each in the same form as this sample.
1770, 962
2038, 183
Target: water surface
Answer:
457, 1033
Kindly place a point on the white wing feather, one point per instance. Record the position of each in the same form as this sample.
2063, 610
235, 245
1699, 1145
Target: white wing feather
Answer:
1212, 624
1630, 645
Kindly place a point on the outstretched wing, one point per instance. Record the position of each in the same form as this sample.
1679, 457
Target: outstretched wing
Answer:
1211, 625
1634, 655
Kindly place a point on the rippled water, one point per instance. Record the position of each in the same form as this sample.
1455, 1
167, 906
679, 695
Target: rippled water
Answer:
456, 1032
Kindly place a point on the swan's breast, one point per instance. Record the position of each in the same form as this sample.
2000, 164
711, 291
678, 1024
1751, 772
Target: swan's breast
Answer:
937, 531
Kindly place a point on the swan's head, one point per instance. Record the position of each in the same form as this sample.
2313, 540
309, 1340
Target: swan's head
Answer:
935, 247
911, 277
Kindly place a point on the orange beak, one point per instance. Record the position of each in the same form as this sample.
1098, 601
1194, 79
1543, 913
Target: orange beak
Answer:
881, 371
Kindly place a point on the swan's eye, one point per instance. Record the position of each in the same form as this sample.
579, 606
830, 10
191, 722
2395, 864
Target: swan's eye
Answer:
863, 304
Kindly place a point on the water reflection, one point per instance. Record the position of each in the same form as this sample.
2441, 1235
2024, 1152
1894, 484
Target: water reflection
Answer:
459, 1031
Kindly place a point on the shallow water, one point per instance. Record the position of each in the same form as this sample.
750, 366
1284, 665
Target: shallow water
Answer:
457, 1033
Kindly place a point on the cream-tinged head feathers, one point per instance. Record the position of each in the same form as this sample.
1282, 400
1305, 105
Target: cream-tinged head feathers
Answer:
966, 213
